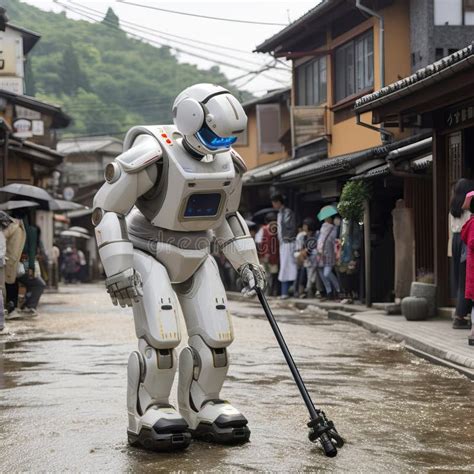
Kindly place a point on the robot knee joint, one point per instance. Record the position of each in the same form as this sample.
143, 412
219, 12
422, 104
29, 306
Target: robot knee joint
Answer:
206, 356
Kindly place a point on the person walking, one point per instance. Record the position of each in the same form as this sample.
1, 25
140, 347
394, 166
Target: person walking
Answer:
307, 254
286, 228
467, 235
326, 252
269, 253
31, 278
300, 257
71, 266
458, 251
82, 274
15, 235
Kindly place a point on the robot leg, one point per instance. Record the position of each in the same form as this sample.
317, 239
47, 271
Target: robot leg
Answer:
152, 422
203, 365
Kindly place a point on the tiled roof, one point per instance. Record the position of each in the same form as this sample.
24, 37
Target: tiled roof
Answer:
39, 154
346, 163
60, 119
259, 176
269, 97
87, 145
270, 43
432, 73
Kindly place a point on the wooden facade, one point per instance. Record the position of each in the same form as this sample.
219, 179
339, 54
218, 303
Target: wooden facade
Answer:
439, 98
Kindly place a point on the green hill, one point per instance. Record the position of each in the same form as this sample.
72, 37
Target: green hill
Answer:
104, 79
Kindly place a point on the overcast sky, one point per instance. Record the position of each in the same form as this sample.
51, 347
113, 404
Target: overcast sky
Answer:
234, 35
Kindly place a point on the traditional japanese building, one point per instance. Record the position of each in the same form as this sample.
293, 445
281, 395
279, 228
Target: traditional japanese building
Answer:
440, 98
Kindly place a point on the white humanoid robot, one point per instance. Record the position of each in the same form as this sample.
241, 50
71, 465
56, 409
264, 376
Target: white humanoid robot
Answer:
166, 197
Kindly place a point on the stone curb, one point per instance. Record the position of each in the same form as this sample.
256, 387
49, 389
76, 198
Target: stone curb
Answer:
414, 345
350, 313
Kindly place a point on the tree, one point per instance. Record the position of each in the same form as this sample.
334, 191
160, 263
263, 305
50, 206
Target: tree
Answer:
111, 19
30, 88
106, 80
71, 74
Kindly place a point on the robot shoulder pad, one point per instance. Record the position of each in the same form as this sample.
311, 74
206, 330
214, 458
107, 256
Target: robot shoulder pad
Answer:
142, 154
238, 161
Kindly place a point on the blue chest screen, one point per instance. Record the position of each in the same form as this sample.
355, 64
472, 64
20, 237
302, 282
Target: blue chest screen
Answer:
202, 205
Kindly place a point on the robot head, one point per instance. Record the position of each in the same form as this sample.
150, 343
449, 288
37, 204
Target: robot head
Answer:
209, 117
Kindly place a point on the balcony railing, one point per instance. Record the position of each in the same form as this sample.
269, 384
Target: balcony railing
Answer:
308, 123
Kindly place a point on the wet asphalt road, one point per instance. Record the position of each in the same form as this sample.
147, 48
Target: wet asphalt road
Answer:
63, 385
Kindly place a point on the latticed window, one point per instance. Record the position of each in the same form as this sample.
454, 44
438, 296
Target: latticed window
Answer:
354, 70
311, 83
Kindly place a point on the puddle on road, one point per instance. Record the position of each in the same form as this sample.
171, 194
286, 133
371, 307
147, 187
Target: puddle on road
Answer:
397, 412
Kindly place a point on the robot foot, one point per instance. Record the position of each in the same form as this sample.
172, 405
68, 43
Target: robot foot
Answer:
161, 428
229, 425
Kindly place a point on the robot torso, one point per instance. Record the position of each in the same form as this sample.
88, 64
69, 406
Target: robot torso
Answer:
189, 195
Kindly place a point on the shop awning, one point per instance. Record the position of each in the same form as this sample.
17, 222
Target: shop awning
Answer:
357, 163
38, 154
332, 166
413, 157
412, 149
271, 172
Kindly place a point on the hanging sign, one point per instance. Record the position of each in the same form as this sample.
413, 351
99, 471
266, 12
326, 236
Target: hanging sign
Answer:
22, 128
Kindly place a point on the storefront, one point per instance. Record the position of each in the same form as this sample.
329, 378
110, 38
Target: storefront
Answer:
439, 97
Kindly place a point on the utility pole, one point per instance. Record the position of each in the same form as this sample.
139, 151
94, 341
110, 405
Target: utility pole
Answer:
367, 256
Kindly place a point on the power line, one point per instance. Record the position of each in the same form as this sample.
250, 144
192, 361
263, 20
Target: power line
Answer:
98, 107
149, 31
143, 30
223, 63
180, 50
164, 33
233, 20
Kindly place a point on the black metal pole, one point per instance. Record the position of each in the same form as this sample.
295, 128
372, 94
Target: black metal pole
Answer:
286, 353
319, 424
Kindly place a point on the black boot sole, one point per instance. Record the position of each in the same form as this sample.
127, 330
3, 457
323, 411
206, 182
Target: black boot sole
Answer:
211, 433
150, 440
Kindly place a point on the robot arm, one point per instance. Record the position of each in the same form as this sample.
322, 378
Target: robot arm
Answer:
238, 246
129, 176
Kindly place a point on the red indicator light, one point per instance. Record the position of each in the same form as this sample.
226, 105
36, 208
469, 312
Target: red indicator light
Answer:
168, 141
164, 135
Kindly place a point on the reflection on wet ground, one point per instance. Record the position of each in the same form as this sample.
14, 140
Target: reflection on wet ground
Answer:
62, 397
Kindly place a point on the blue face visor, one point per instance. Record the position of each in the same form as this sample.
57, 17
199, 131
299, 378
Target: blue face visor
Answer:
213, 141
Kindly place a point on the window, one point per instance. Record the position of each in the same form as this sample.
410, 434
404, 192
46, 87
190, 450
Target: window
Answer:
268, 128
454, 12
439, 53
468, 12
311, 82
354, 71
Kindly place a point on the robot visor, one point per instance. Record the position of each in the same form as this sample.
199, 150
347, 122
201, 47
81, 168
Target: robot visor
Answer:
213, 141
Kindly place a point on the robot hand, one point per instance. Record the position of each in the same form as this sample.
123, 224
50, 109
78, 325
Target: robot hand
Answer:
125, 287
252, 276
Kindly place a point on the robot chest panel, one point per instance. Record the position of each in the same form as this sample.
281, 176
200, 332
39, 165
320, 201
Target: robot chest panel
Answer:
195, 194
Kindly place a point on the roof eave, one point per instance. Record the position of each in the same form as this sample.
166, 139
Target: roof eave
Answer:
30, 37
60, 119
271, 96
379, 99
275, 41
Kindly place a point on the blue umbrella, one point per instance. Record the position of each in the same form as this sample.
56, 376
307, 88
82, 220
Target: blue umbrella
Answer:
326, 211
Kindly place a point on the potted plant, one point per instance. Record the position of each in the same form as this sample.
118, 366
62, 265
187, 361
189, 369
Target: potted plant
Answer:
351, 203
424, 287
